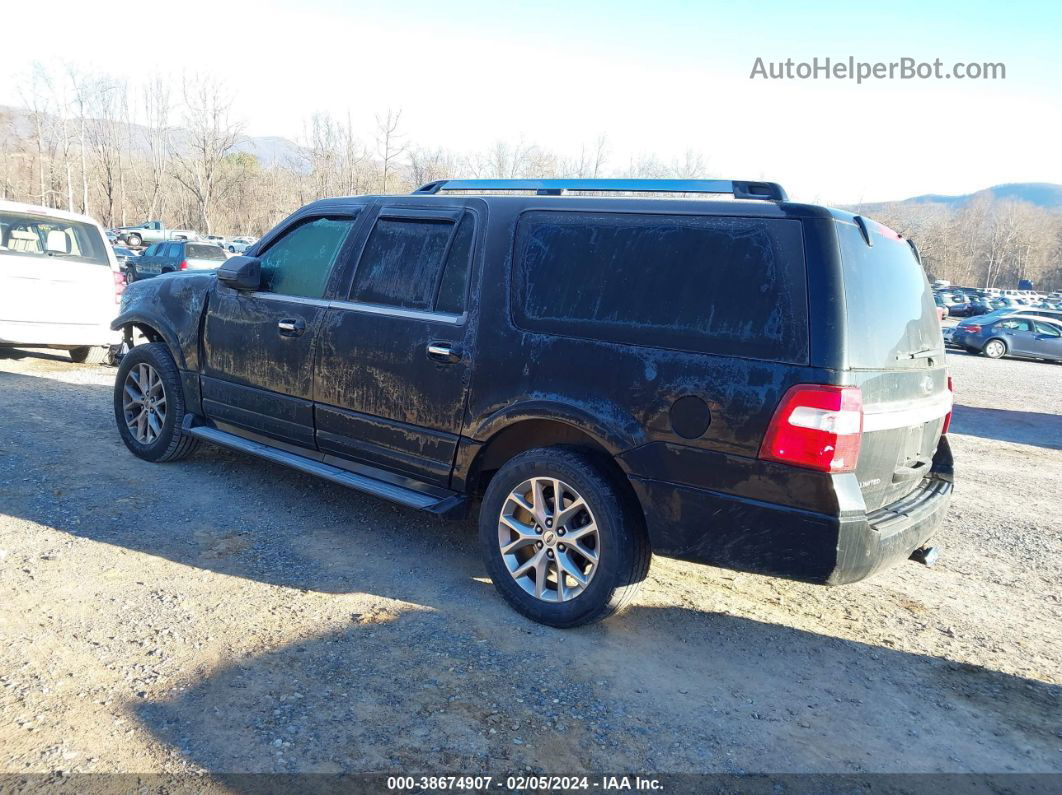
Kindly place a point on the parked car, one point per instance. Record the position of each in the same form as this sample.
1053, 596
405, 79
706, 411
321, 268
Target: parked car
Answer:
943, 310
1032, 336
59, 282
1050, 314
152, 232
176, 255
123, 255
754, 384
238, 245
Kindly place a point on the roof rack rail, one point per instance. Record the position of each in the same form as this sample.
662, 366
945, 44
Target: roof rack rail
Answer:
740, 189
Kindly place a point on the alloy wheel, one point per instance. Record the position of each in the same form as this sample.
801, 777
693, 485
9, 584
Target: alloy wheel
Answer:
144, 403
549, 539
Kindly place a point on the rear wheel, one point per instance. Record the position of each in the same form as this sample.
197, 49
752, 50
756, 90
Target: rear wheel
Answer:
995, 349
563, 543
90, 354
149, 405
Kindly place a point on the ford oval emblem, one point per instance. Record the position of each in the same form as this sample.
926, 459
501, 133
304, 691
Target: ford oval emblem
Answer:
927, 384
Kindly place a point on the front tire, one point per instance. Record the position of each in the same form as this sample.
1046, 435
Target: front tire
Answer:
149, 405
995, 349
564, 543
134, 240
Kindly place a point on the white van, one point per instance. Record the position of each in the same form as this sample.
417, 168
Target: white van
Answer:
60, 284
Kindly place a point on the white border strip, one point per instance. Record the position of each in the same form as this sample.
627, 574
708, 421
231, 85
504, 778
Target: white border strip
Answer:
907, 414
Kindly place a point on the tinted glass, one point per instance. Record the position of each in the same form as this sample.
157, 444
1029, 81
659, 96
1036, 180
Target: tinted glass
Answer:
888, 301
453, 287
402, 262
51, 239
300, 261
173, 250
1047, 328
733, 286
201, 251
1016, 325
151, 250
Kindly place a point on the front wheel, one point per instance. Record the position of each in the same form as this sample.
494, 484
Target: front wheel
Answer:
995, 349
149, 405
563, 542
134, 240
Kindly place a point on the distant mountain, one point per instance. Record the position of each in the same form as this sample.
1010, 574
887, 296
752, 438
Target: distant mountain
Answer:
270, 150
1042, 194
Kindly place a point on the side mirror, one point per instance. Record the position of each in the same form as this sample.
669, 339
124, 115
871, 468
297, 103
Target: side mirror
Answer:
241, 273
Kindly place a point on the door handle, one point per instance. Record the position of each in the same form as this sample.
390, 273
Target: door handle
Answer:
289, 327
443, 352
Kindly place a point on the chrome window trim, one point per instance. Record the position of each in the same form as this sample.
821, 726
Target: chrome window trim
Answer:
906, 414
369, 309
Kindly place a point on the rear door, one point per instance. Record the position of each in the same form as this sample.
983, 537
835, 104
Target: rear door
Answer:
895, 354
394, 355
258, 346
1017, 333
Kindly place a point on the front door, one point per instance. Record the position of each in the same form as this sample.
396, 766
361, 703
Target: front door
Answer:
258, 346
394, 354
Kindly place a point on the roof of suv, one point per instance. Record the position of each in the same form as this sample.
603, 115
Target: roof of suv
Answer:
764, 199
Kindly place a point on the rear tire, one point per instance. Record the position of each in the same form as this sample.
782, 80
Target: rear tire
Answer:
156, 378
93, 354
995, 349
620, 545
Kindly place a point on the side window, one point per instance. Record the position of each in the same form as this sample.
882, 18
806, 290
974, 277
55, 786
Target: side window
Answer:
1048, 329
150, 250
171, 251
1016, 325
453, 286
298, 263
416, 263
727, 285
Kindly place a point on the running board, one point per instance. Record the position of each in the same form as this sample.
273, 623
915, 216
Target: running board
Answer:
450, 506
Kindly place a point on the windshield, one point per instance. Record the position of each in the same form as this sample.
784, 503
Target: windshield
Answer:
892, 318
27, 235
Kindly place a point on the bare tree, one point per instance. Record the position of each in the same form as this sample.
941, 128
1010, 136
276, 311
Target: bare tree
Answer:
388, 141
209, 135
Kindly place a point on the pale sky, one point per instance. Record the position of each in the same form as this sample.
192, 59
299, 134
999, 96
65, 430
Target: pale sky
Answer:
656, 78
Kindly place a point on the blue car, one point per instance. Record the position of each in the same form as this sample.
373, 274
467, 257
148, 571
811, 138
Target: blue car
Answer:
1032, 337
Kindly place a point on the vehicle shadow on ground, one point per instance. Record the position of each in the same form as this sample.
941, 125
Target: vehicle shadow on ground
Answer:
449, 677
37, 353
664, 689
1005, 425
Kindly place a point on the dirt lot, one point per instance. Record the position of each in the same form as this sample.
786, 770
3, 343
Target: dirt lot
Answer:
223, 614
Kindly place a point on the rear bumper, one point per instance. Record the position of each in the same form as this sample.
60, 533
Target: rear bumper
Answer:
748, 535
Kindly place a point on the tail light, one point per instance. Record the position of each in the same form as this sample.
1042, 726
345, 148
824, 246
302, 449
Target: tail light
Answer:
183, 266
816, 426
973, 328
947, 417
119, 287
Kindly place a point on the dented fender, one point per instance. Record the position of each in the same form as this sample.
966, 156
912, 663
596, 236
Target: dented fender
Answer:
172, 305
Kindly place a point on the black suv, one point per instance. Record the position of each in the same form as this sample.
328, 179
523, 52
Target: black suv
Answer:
751, 383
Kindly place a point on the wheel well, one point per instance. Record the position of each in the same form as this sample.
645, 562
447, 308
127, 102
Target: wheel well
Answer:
529, 434
145, 330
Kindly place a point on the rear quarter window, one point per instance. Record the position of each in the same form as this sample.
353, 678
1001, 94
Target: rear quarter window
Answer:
723, 285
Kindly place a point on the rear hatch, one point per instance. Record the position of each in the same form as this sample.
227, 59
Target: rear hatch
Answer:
203, 255
895, 352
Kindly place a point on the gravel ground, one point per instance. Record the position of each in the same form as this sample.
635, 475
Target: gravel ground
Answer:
222, 614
